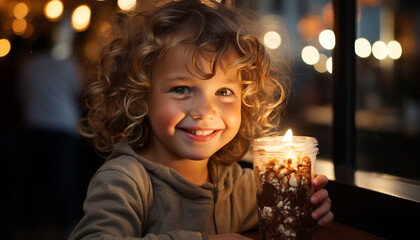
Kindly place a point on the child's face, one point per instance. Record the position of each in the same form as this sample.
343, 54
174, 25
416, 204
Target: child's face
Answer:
193, 118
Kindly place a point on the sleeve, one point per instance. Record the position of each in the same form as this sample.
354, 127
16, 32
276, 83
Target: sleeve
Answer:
115, 208
245, 199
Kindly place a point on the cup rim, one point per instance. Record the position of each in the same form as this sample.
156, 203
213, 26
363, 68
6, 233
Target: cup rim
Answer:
302, 143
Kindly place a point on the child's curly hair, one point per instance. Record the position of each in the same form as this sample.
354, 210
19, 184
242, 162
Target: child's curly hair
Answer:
117, 101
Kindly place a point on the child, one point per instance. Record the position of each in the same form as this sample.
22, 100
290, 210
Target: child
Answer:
180, 94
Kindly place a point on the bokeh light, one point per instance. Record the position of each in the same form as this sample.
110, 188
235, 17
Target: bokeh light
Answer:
394, 49
327, 39
321, 65
20, 10
80, 19
19, 26
379, 50
310, 55
272, 40
5, 47
330, 65
362, 47
127, 5
53, 10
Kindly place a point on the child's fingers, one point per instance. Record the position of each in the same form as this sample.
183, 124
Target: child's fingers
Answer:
322, 209
319, 182
319, 196
326, 220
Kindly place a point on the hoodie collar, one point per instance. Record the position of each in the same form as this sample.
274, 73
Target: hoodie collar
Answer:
163, 175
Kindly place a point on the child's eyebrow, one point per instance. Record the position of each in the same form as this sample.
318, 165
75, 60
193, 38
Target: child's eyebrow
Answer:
233, 80
233, 75
176, 79
182, 79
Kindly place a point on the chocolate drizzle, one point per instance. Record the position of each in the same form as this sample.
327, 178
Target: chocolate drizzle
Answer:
283, 199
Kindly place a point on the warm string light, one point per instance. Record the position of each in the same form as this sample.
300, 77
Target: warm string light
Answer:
127, 5
53, 10
20, 10
362, 47
5, 47
329, 65
394, 49
272, 40
80, 19
327, 39
379, 49
310, 55
19, 24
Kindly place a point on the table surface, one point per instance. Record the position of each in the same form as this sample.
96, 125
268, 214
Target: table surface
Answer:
335, 231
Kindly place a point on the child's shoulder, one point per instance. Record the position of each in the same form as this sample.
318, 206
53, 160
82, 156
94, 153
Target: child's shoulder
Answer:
123, 177
123, 161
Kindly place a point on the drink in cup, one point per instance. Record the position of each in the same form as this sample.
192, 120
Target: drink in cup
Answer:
284, 169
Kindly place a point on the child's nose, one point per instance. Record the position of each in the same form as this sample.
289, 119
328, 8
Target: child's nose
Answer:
203, 108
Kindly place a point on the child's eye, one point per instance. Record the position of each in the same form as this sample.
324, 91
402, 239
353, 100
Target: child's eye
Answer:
224, 92
181, 90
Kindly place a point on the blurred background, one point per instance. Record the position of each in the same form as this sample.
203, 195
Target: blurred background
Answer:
48, 53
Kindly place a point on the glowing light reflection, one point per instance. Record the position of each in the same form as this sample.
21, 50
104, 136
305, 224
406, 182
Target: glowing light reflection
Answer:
310, 55
329, 65
5, 47
362, 47
379, 50
127, 5
327, 39
53, 10
394, 50
272, 40
81, 18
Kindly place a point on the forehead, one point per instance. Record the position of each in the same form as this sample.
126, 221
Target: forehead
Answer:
186, 57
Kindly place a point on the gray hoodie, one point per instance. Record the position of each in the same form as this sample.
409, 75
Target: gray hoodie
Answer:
130, 197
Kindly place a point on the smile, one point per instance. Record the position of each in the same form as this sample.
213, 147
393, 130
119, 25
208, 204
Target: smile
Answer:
200, 132
200, 135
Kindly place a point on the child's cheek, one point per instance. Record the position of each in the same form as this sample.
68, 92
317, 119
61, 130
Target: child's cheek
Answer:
168, 117
232, 116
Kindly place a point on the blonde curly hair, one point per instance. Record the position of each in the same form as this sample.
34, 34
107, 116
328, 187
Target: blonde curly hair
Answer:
117, 101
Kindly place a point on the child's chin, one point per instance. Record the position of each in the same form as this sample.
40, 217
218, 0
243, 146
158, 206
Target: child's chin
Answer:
199, 157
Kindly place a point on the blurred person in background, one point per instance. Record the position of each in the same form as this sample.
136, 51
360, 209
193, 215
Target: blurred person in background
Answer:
49, 84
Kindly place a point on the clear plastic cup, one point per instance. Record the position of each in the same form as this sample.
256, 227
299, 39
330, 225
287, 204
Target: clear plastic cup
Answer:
283, 173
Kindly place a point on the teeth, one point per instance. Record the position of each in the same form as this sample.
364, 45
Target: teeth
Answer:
200, 133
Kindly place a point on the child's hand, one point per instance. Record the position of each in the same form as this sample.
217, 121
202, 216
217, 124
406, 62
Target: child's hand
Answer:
321, 201
227, 236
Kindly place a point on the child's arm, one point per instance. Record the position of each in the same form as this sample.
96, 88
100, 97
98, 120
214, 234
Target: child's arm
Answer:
117, 205
228, 236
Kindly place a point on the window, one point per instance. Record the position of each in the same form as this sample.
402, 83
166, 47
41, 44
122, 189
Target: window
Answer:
386, 93
388, 90
366, 113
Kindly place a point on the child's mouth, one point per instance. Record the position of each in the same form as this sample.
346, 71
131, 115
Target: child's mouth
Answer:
200, 132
